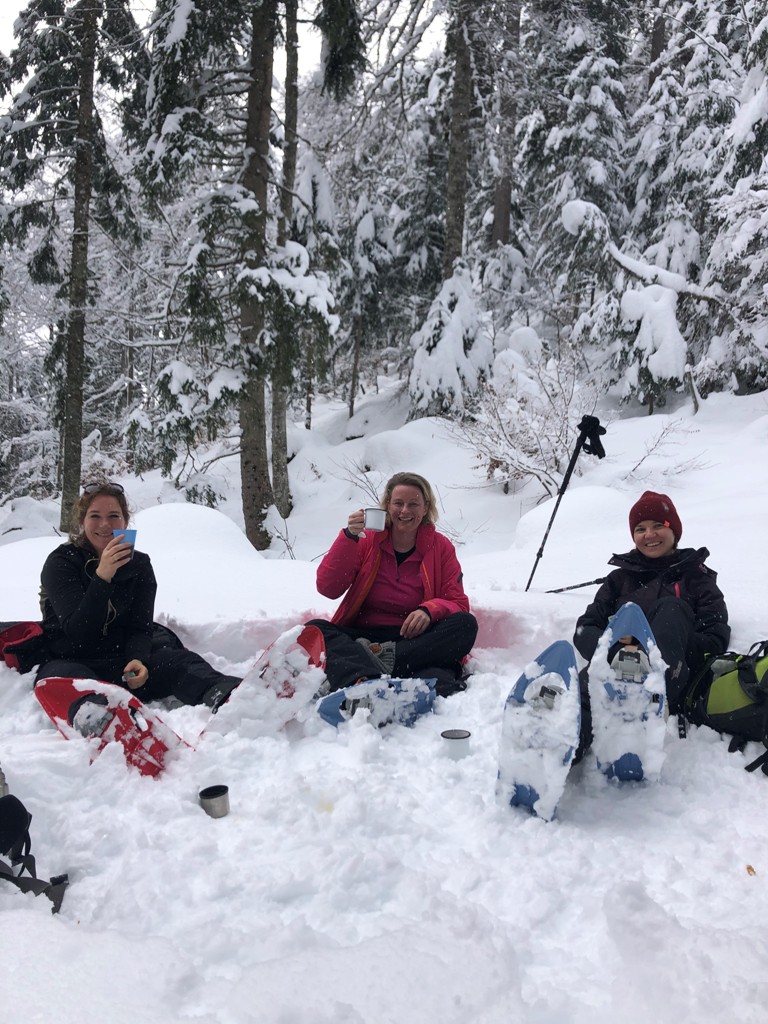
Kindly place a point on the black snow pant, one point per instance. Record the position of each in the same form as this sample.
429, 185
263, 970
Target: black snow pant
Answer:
437, 652
173, 672
672, 623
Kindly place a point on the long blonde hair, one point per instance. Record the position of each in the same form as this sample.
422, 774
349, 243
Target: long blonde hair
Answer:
412, 480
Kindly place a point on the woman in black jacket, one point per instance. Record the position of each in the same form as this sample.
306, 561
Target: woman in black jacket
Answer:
677, 592
98, 598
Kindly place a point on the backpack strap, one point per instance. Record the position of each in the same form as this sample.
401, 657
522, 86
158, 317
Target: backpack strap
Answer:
756, 689
695, 690
53, 889
16, 844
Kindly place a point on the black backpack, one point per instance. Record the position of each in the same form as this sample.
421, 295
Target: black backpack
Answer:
730, 695
15, 844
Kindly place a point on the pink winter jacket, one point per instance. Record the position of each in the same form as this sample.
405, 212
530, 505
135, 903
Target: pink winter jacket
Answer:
353, 566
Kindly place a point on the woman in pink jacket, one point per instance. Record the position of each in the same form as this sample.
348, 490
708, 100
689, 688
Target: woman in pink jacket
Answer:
404, 612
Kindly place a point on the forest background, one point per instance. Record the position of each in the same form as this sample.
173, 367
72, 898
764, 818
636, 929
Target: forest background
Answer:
517, 209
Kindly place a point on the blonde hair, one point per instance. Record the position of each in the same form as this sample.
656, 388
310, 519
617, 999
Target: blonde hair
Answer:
83, 503
412, 480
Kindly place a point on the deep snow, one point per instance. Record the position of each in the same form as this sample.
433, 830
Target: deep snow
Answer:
361, 875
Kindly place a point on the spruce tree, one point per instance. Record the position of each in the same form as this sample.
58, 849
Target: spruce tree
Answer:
731, 338
210, 113
71, 59
571, 144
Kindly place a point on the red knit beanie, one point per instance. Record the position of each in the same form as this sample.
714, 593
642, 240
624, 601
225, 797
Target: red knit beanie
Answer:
657, 507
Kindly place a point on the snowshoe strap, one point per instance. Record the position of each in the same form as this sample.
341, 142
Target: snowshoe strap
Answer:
53, 889
759, 762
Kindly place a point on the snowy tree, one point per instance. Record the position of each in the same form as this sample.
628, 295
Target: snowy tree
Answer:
571, 144
460, 33
314, 226
657, 360
452, 351
734, 345
651, 359
56, 159
677, 136
396, 150
370, 252
210, 106
526, 420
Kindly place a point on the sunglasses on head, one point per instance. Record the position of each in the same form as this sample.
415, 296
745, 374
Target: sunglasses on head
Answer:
103, 485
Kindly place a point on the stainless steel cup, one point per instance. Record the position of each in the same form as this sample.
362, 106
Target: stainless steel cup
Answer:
215, 801
456, 743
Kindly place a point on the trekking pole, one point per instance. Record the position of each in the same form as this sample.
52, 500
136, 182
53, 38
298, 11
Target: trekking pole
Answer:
576, 586
590, 432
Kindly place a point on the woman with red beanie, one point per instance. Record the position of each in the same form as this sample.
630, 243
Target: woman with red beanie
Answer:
676, 591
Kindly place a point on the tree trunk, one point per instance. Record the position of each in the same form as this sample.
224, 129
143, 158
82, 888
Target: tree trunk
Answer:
658, 42
291, 119
280, 483
458, 149
72, 425
281, 375
254, 461
510, 73
309, 380
357, 338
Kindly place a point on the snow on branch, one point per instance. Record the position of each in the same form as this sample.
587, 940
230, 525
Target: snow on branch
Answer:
585, 220
579, 216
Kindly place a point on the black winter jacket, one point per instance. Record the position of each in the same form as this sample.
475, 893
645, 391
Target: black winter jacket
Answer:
87, 619
681, 574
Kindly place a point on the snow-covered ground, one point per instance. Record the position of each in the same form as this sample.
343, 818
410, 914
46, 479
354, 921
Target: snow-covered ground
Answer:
363, 877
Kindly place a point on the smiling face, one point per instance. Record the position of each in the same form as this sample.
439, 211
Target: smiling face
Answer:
652, 539
406, 509
102, 516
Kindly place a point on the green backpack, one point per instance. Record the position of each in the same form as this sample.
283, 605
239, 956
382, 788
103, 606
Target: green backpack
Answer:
730, 694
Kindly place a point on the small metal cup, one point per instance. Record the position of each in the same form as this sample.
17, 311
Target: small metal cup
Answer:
375, 519
456, 743
215, 801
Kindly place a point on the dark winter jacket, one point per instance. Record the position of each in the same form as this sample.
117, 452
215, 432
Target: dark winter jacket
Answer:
87, 619
681, 574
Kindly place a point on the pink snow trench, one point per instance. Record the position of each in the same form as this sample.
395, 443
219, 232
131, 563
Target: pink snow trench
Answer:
367, 569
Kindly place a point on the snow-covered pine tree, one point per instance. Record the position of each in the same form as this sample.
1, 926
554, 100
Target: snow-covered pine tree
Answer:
29, 445
314, 227
678, 131
370, 251
452, 351
211, 112
392, 144
571, 143
71, 61
732, 339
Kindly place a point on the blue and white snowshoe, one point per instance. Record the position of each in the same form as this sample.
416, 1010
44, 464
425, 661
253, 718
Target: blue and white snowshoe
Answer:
540, 732
387, 701
628, 699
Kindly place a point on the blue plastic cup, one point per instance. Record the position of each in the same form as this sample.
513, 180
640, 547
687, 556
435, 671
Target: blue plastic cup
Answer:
129, 536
